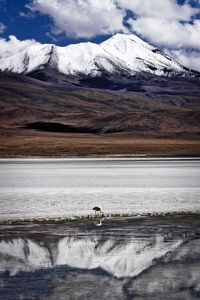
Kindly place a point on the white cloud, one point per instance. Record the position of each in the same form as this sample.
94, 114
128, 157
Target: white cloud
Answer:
190, 59
2, 28
13, 45
167, 9
82, 18
168, 33
156, 20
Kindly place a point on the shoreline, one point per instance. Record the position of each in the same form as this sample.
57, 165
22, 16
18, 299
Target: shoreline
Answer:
108, 217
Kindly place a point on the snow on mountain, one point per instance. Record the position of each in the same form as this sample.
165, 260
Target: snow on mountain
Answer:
27, 60
138, 55
121, 54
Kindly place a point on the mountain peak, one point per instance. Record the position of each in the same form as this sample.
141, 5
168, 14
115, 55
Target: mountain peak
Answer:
123, 37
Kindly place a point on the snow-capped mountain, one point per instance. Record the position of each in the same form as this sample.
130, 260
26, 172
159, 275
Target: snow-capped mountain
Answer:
124, 55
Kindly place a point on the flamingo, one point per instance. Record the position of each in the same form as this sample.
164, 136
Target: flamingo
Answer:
97, 209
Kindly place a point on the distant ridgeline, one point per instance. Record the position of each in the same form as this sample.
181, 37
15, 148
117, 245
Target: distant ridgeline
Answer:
117, 61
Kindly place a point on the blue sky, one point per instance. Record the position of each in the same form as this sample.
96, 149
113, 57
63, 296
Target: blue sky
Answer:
34, 26
169, 24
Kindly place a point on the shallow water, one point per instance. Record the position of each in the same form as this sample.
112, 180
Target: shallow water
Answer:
72, 187
136, 258
127, 258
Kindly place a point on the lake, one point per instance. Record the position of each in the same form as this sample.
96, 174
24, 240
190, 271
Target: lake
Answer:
151, 254
150, 257
51, 188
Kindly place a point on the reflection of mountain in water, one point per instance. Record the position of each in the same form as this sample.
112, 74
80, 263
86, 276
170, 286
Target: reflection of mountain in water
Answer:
118, 257
122, 264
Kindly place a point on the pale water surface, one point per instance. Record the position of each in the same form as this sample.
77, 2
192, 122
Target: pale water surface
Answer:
135, 258
140, 257
72, 187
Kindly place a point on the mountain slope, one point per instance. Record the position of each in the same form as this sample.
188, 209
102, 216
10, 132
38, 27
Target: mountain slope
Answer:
164, 110
121, 55
42, 118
